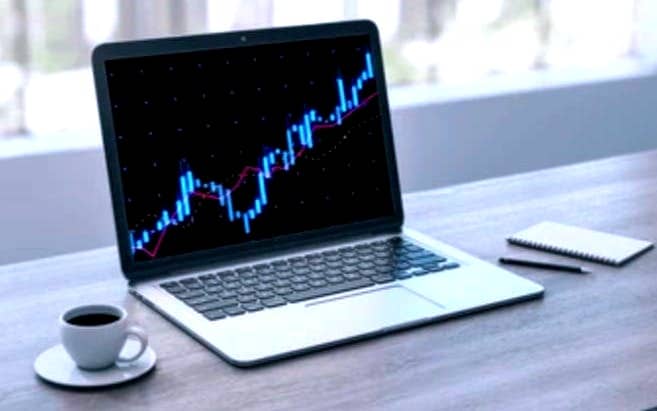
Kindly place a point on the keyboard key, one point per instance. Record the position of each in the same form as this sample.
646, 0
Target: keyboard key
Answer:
249, 275
215, 305
214, 289
283, 274
170, 284
194, 286
265, 294
281, 283
316, 276
334, 279
200, 300
399, 253
252, 306
273, 302
191, 284
300, 287
226, 294
402, 275
206, 277
428, 260
315, 260
247, 298
245, 289
232, 285
283, 290
384, 262
228, 276
223, 274
298, 279
225, 303
413, 247
419, 271
233, 311
384, 269
319, 268
176, 289
301, 270
331, 289
432, 268
266, 278
214, 315
263, 287
249, 281
189, 294
317, 283
351, 276
266, 270
383, 278
415, 255
450, 265
244, 270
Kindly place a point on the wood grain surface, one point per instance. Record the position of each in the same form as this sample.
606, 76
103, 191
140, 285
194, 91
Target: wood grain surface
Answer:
590, 343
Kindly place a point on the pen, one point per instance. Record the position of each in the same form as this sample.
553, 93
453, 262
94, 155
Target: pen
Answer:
546, 265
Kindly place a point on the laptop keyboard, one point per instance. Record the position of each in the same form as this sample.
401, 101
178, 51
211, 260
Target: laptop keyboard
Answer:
285, 281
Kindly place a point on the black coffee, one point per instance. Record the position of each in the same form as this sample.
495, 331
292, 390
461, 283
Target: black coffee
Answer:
93, 319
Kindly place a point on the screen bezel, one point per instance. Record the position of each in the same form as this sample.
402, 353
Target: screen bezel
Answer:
140, 270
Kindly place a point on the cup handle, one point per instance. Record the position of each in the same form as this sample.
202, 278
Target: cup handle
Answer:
140, 335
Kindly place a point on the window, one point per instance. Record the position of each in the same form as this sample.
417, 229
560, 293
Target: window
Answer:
46, 85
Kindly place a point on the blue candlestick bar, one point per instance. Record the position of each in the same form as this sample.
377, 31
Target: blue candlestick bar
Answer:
299, 134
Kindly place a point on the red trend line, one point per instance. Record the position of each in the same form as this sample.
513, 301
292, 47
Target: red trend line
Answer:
247, 170
153, 253
347, 114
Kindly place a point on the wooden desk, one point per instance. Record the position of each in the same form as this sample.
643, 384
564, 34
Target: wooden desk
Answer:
590, 343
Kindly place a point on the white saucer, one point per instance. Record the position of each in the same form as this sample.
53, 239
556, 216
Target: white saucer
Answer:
56, 366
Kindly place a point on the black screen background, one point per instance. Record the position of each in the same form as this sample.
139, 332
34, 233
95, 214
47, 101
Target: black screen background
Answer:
218, 111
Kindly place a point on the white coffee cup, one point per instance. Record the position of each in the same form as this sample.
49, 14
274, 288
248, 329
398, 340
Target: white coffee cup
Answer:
94, 335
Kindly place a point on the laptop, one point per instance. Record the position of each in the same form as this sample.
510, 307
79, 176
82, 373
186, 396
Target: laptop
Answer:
256, 196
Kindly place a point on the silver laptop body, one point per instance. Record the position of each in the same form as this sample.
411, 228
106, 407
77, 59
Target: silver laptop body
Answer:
201, 229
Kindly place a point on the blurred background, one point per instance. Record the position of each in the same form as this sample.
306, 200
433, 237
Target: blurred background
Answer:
477, 88
45, 87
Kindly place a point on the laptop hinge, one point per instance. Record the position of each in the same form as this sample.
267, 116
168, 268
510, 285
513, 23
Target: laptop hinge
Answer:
264, 256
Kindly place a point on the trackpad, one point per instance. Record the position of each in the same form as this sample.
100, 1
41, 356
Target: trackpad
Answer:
371, 310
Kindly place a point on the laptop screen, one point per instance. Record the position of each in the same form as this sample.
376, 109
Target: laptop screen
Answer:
226, 146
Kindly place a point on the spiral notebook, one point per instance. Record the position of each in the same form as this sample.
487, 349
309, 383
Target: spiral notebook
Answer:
580, 242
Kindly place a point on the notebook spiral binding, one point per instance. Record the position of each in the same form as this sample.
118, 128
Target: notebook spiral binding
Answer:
563, 251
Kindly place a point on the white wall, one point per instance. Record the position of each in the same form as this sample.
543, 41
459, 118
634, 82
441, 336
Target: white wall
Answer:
57, 203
